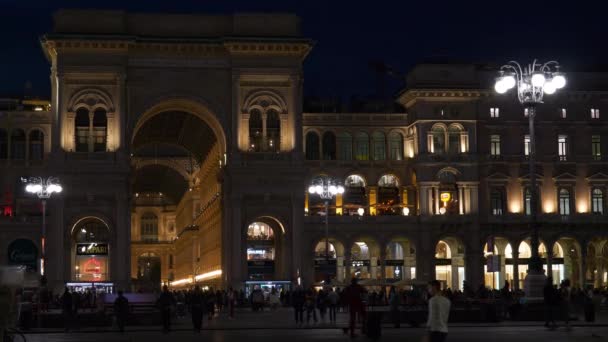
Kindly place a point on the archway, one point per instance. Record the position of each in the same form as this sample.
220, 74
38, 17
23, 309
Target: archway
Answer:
399, 260
449, 263
355, 196
565, 261
91, 250
524, 251
364, 255
329, 263
148, 272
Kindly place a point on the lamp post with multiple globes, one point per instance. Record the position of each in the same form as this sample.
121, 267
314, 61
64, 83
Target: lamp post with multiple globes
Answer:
327, 189
532, 82
43, 188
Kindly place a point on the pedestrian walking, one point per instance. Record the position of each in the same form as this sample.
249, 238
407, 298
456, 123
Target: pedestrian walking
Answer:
439, 312
121, 311
565, 301
232, 298
393, 302
298, 299
197, 304
310, 304
166, 302
333, 299
274, 300
550, 297
66, 309
354, 298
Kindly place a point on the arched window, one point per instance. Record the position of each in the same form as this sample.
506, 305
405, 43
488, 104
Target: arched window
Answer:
36, 145
388, 195
255, 131
436, 139
395, 145
329, 146
564, 202
100, 130
260, 245
149, 227
3, 144
454, 139
527, 201
273, 130
379, 140
18, 144
345, 145
312, 146
354, 194
362, 146
497, 201
82, 130
597, 201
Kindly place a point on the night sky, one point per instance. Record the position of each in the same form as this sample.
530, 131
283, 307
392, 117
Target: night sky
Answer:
350, 34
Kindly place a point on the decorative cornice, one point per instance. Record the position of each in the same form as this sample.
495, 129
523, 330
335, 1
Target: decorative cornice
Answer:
409, 97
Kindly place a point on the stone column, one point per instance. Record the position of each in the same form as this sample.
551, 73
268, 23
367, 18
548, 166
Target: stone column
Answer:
515, 286
264, 130
58, 254
121, 255
425, 257
383, 264
583, 273
473, 266
295, 245
347, 267
436, 199
599, 279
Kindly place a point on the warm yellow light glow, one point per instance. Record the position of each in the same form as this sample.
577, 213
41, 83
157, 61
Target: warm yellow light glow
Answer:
182, 282
582, 207
208, 275
515, 207
548, 206
445, 197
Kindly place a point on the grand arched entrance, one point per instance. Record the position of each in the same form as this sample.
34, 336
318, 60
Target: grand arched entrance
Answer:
91, 252
329, 262
177, 150
449, 263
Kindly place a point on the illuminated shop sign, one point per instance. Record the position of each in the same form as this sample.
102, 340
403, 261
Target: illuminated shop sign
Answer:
92, 249
445, 197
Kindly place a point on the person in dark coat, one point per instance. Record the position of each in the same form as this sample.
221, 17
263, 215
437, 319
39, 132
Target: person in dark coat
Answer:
165, 302
298, 299
550, 297
354, 294
197, 302
121, 310
66, 308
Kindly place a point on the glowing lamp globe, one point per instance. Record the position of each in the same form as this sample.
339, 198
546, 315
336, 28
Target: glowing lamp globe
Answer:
508, 81
406, 211
538, 79
312, 189
559, 81
549, 88
360, 211
500, 87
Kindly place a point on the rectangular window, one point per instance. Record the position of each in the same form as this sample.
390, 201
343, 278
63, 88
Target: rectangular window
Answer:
496, 202
595, 113
494, 112
495, 145
597, 201
563, 113
526, 112
527, 145
564, 202
596, 151
562, 147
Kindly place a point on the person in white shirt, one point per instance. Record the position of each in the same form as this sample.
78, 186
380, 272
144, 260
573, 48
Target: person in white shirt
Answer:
439, 312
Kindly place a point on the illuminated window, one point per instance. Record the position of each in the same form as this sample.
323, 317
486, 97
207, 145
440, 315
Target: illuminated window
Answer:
395, 145
564, 202
562, 147
563, 113
494, 112
497, 202
255, 131
273, 131
495, 145
526, 112
437, 140
149, 227
362, 146
597, 201
596, 151
527, 201
527, 145
345, 146
379, 141
595, 113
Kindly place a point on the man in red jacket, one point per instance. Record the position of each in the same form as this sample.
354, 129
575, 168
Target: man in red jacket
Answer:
354, 295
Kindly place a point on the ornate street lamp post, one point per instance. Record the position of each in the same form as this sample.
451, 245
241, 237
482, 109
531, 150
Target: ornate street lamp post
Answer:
532, 82
43, 188
326, 188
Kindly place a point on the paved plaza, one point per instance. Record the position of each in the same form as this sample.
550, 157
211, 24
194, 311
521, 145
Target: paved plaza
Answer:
519, 334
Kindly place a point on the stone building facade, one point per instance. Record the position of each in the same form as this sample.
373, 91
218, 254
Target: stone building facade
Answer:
184, 149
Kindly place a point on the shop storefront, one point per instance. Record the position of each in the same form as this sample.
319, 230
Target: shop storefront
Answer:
260, 252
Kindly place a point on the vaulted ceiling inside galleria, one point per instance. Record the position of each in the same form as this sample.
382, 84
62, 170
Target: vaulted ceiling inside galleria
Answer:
172, 144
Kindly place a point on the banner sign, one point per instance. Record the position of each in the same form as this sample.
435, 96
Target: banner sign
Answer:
92, 249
